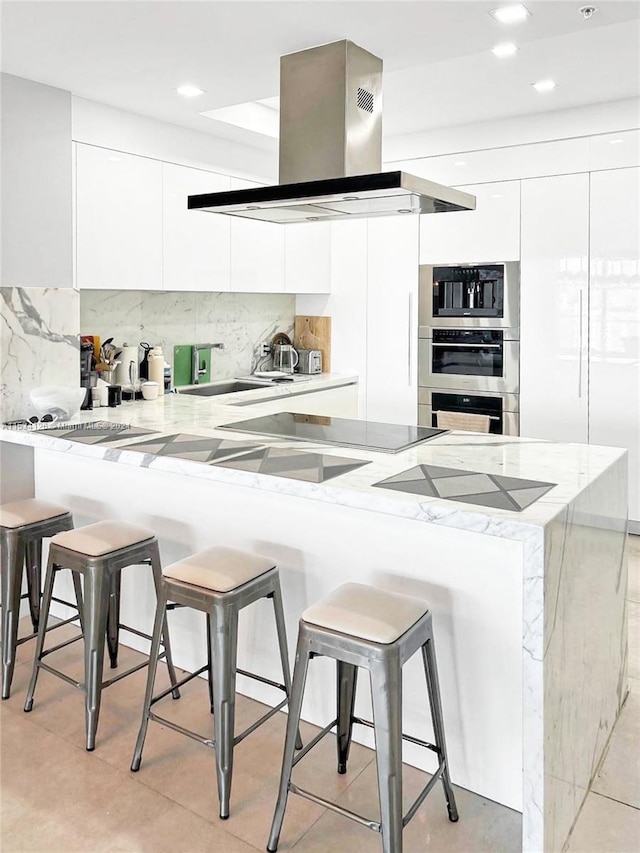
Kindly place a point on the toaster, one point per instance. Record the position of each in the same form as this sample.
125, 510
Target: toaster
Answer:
309, 361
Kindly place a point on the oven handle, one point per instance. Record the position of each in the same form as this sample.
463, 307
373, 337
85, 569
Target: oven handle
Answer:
478, 346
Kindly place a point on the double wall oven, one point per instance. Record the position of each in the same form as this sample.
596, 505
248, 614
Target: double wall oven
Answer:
469, 348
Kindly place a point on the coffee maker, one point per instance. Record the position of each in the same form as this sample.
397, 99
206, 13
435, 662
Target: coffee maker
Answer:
86, 363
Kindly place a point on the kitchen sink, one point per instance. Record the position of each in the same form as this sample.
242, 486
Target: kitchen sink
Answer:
223, 388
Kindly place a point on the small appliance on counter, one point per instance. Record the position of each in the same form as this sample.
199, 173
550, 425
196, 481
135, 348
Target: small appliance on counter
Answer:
285, 358
309, 361
88, 376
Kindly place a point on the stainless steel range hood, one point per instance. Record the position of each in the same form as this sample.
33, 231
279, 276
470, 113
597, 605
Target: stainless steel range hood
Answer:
331, 149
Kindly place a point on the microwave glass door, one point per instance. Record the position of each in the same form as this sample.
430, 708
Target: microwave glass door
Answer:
467, 353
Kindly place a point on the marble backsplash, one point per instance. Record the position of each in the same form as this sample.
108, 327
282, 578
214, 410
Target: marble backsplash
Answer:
38, 344
167, 318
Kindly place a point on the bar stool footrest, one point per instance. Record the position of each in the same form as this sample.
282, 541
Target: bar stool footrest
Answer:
308, 795
316, 740
179, 684
49, 628
181, 730
410, 738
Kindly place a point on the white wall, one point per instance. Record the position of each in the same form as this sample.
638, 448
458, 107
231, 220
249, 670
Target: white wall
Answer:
108, 127
36, 185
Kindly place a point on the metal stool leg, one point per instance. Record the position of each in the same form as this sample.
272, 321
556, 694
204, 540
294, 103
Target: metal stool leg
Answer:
224, 648
77, 585
156, 568
293, 721
95, 619
347, 675
12, 562
42, 628
209, 663
113, 619
33, 553
151, 678
433, 688
386, 690
281, 630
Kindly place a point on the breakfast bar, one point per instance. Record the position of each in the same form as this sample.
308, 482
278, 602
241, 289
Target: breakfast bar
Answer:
517, 544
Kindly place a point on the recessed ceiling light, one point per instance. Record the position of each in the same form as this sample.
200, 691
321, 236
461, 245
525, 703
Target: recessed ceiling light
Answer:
513, 14
616, 141
504, 50
496, 195
544, 85
460, 163
404, 210
189, 91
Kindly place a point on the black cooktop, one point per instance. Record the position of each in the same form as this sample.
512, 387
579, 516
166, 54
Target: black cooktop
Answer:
366, 435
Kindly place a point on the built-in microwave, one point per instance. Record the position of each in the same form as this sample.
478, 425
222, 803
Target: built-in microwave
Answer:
484, 295
469, 360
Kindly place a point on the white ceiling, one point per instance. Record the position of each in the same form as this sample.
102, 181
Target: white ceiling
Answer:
438, 67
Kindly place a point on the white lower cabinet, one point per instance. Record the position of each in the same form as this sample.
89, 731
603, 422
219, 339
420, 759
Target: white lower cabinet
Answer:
392, 320
196, 246
554, 308
257, 252
118, 220
341, 402
614, 319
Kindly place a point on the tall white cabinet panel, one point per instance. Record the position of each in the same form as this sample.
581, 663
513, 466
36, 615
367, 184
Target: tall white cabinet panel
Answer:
196, 245
614, 327
553, 308
257, 252
491, 232
392, 320
308, 257
118, 220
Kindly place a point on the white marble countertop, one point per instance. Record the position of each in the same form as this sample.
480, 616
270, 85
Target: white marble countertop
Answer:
571, 466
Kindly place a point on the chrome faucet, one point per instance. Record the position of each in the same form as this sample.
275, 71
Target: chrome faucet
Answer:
196, 370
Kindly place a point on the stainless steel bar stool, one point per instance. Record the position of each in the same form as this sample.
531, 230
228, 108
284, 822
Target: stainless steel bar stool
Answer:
360, 626
219, 582
23, 526
99, 552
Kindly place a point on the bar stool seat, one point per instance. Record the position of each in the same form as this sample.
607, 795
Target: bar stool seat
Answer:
218, 582
359, 626
219, 569
102, 537
29, 511
99, 552
23, 526
366, 612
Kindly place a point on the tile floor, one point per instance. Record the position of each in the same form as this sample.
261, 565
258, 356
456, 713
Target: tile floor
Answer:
56, 797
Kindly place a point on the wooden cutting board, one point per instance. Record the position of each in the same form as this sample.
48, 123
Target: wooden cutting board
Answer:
314, 333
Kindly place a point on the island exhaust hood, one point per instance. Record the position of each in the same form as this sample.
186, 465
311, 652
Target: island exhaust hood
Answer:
331, 149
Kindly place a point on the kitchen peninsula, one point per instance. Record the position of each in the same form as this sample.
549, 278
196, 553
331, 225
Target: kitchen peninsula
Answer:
526, 577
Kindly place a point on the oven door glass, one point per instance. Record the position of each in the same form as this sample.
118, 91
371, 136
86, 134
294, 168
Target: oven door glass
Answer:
471, 360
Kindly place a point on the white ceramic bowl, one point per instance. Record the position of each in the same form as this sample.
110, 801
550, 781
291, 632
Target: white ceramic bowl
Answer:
149, 390
61, 401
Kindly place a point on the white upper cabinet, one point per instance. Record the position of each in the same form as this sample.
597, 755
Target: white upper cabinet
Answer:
392, 320
614, 328
196, 245
553, 308
491, 232
257, 252
308, 257
118, 220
